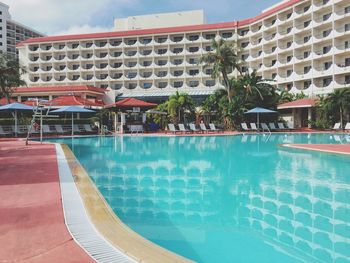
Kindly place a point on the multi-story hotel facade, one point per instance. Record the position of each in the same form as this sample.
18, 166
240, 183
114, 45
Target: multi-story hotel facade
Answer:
12, 32
303, 45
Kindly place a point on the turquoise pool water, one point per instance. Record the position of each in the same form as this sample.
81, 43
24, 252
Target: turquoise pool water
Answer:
228, 198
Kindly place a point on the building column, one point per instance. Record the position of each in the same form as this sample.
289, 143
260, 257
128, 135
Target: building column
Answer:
309, 117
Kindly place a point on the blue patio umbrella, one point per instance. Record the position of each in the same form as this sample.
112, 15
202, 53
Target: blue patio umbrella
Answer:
72, 110
14, 107
259, 111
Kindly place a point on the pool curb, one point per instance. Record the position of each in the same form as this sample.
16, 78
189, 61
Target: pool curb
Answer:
316, 148
115, 233
77, 220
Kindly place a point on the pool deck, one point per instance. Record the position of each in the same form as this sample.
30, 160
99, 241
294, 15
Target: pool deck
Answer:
32, 223
328, 148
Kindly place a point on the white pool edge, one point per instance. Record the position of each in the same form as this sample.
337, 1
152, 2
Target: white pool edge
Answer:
77, 220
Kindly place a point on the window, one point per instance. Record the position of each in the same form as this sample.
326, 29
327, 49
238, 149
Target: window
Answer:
178, 84
289, 72
193, 49
210, 83
178, 73
227, 35
347, 9
307, 84
193, 83
347, 79
244, 44
162, 73
147, 85
193, 37
326, 49
346, 44
347, 62
162, 85
193, 61
178, 39
194, 72
307, 23
146, 63
289, 29
326, 32
347, 27
326, 16
307, 69
178, 61
177, 50
327, 65
162, 51
289, 58
307, 53
162, 62
326, 82
306, 39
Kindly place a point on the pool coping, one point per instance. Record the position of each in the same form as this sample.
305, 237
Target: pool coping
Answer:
107, 223
317, 148
77, 220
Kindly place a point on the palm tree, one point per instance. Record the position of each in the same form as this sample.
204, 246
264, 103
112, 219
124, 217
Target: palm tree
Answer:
178, 104
339, 100
224, 59
10, 75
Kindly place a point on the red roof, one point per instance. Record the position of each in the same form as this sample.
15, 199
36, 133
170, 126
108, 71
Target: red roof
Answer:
131, 102
69, 88
3, 101
302, 103
163, 30
70, 100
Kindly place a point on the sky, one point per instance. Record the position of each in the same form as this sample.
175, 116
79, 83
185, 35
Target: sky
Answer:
59, 17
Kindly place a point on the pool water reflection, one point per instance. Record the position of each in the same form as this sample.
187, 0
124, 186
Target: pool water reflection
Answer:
227, 198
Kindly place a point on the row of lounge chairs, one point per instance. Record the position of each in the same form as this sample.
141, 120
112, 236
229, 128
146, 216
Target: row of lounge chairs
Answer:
337, 126
47, 129
270, 127
192, 128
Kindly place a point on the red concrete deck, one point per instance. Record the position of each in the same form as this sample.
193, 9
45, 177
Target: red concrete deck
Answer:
330, 148
32, 226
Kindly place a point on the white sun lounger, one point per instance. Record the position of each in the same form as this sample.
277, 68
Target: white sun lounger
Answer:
347, 127
193, 127
245, 126
46, 129
182, 128
203, 128
253, 126
3, 132
172, 128
272, 126
213, 128
59, 129
264, 127
87, 128
281, 126
336, 126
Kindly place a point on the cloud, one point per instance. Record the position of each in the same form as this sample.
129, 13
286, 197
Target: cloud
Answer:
54, 16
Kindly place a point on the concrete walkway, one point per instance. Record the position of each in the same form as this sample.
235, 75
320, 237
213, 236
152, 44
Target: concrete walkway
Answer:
32, 227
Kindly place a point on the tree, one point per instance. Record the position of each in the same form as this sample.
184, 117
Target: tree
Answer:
224, 59
10, 75
338, 100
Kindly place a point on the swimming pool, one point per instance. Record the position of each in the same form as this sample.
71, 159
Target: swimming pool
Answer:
227, 198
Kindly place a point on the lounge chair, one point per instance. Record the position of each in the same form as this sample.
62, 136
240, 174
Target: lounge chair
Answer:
20, 129
182, 128
59, 129
272, 126
290, 126
47, 130
193, 128
336, 126
245, 126
264, 127
347, 127
281, 126
3, 132
203, 128
172, 128
253, 127
213, 128
87, 128
76, 128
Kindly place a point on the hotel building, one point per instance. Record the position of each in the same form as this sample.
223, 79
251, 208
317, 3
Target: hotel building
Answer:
12, 32
303, 45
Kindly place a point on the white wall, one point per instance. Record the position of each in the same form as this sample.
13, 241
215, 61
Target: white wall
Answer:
187, 18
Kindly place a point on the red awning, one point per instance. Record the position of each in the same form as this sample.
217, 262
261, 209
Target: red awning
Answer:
131, 102
70, 100
302, 103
